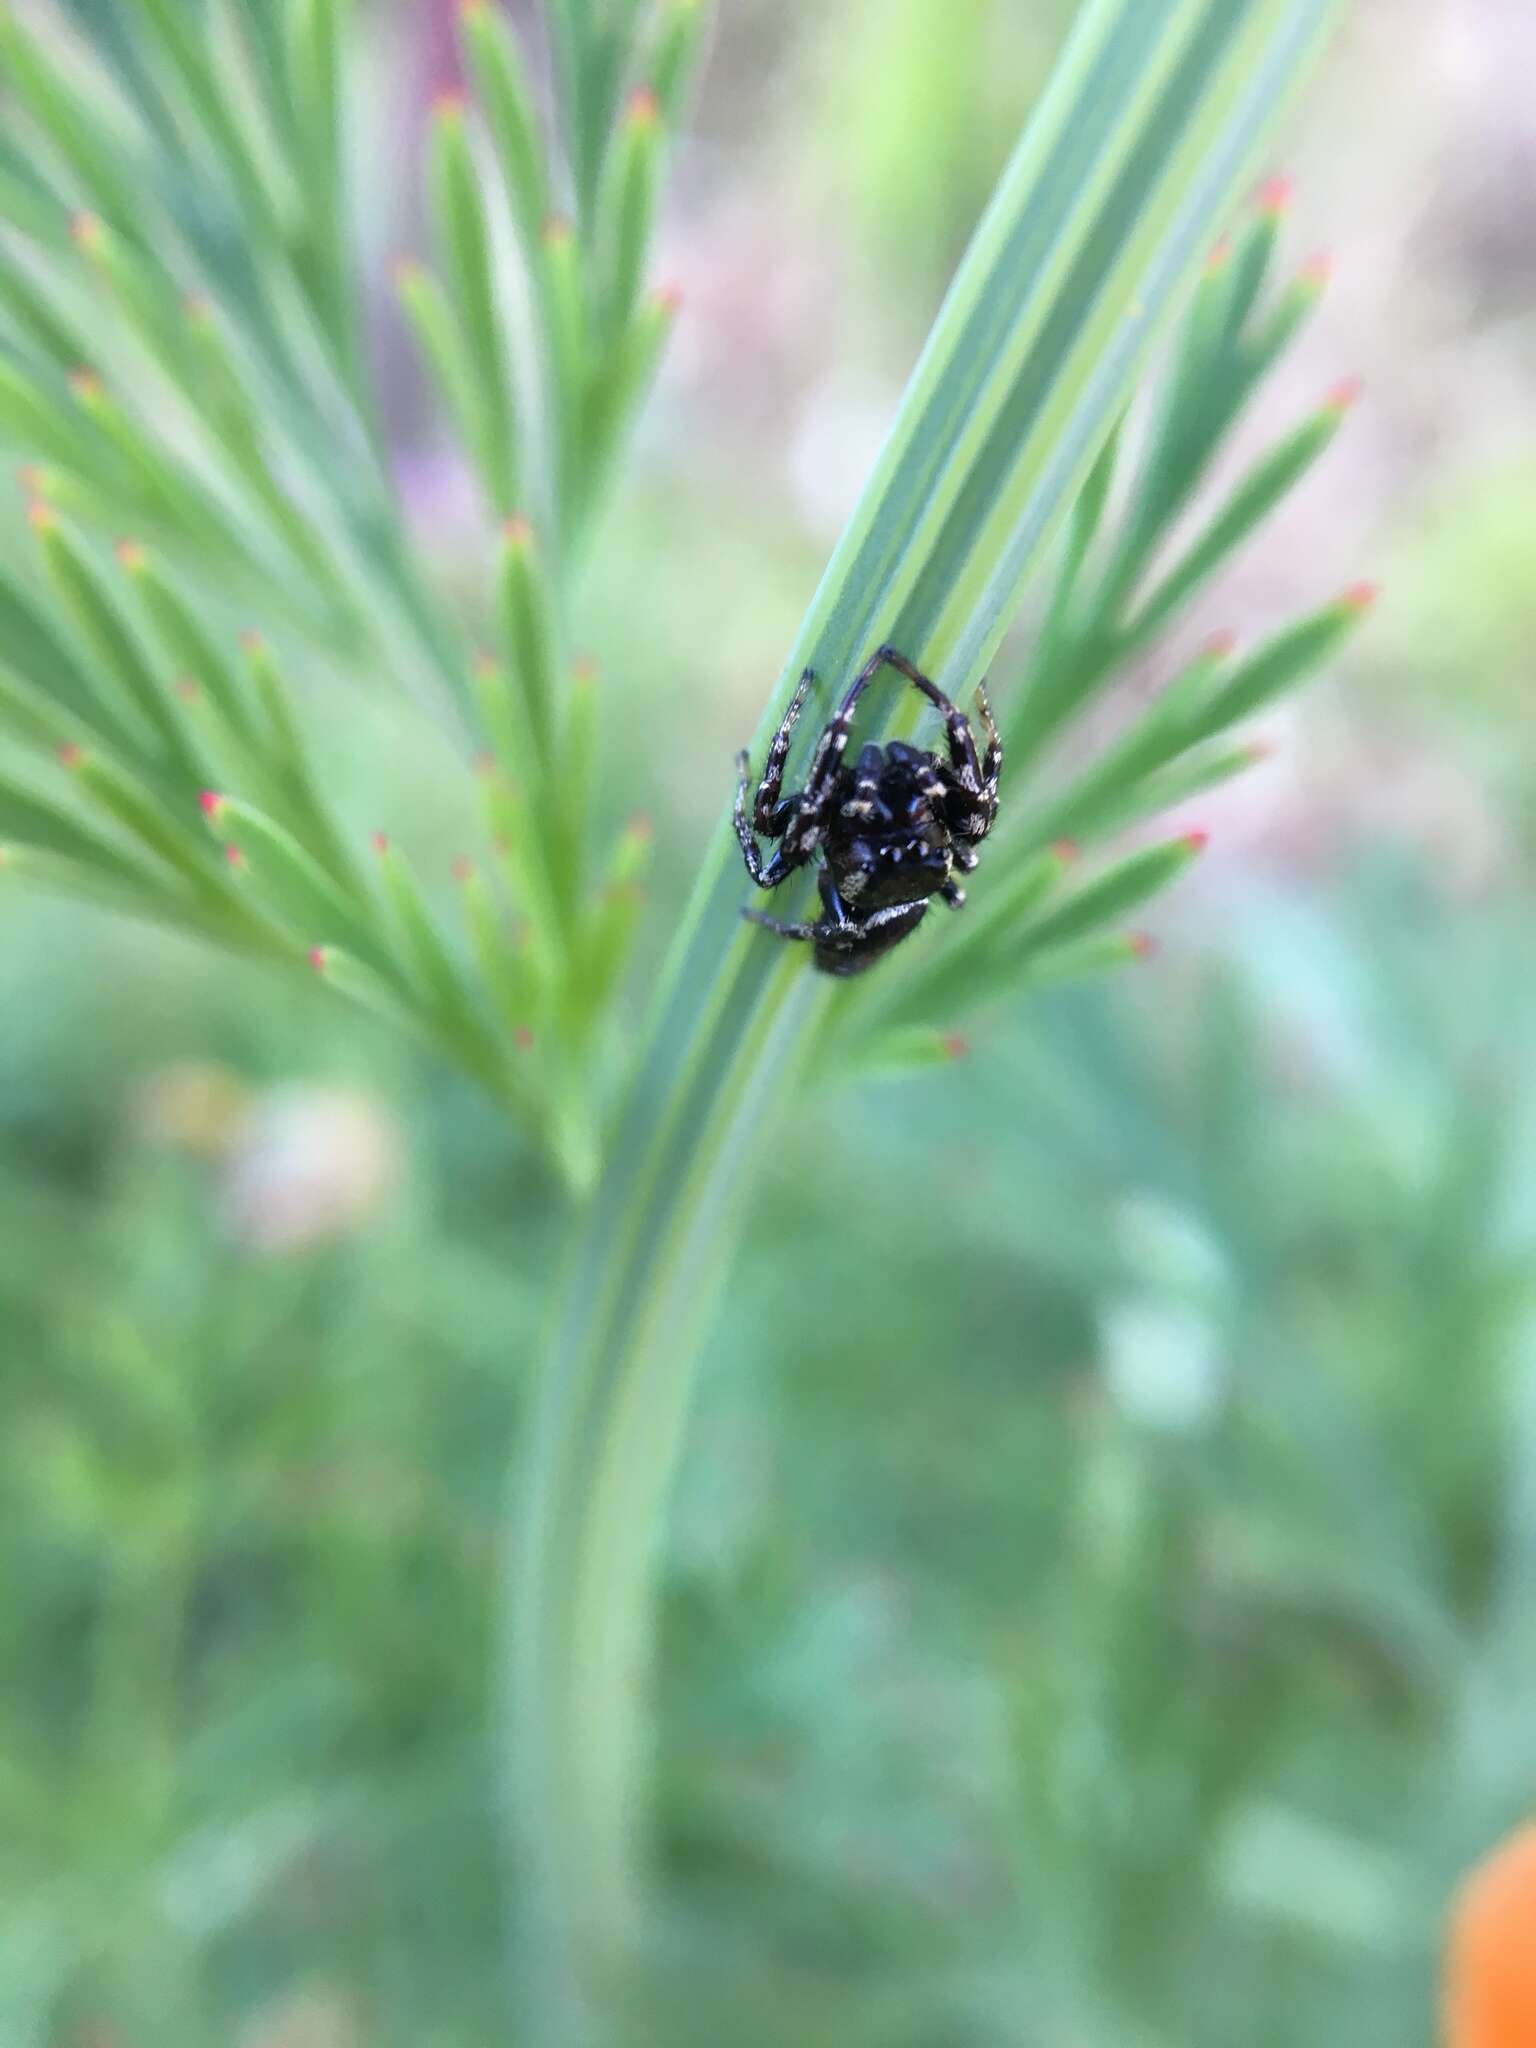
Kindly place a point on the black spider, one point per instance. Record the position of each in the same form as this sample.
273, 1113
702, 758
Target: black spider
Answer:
891, 830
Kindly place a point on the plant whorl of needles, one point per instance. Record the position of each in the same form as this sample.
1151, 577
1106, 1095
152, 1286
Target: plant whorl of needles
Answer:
183, 361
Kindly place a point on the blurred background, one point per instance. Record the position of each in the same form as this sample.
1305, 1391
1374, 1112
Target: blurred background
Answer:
1110, 1618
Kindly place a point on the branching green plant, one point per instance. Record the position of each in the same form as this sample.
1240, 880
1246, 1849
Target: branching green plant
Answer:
192, 374
184, 319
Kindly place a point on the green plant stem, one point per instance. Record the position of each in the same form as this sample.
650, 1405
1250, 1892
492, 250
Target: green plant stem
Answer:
1104, 213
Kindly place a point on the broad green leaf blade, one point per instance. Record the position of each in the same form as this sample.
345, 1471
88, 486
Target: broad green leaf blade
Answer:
1108, 206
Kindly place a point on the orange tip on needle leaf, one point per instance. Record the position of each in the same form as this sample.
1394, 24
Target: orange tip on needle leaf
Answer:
1196, 841
522, 1038
234, 855
319, 958
1274, 196
42, 518
188, 690
70, 755
640, 826
212, 803
1343, 395
1360, 597
556, 231
381, 842
644, 105
131, 553
1220, 256
956, 1044
252, 641
1142, 945
1315, 272
1065, 850
449, 104
517, 532
85, 383
1220, 645
463, 869
668, 298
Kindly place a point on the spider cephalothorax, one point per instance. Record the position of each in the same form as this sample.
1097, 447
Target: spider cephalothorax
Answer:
890, 831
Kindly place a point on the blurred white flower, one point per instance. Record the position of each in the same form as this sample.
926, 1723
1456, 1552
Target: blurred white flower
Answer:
313, 1164
1163, 1363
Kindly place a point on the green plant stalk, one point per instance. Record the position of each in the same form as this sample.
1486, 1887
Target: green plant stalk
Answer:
1105, 212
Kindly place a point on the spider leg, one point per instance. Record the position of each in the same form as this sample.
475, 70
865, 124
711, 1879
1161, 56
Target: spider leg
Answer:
957, 727
953, 894
787, 931
783, 860
767, 811
833, 743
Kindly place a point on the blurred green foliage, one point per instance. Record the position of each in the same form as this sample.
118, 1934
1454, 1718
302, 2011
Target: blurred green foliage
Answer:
1117, 1628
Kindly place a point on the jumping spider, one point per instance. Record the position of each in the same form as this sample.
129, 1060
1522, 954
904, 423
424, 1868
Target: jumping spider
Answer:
891, 829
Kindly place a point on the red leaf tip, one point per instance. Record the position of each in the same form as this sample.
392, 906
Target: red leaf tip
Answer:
132, 554
380, 842
463, 869
1343, 395
212, 803
1315, 272
1142, 945
234, 855
644, 107
450, 103
1220, 256
517, 531
1360, 597
584, 671
640, 827
522, 1038
319, 958
668, 298
1065, 850
41, 518
956, 1044
70, 755
187, 690
252, 641
86, 229
85, 383
1196, 841
556, 231
1274, 196
1221, 644
404, 268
